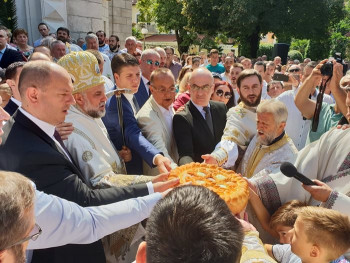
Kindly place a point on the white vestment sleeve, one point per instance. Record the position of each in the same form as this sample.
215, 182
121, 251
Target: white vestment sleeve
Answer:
338, 201
226, 153
64, 222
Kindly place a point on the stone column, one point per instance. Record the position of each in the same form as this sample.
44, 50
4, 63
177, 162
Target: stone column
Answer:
120, 20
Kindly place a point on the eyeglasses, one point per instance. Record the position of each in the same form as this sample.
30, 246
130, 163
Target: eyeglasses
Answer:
221, 93
150, 62
294, 70
34, 234
165, 90
205, 88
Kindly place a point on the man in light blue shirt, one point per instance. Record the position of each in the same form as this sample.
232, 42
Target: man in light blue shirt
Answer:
52, 221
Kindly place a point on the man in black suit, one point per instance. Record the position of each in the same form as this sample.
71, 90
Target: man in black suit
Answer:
32, 147
7, 56
12, 76
199, 127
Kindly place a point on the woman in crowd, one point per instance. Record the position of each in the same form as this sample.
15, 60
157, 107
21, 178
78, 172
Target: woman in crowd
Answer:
20, 36
223, 92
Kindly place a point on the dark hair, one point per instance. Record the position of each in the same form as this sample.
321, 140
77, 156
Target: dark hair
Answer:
11, 70
260, 63
101, 31
213, 51
123, 60
193, 224
247, 73
19, 31
63, 29
116, 37
274, 82
43, 24
231, 102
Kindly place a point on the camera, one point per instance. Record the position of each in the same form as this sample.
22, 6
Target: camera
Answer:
327, 68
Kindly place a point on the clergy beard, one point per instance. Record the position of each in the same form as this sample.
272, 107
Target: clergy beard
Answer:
251, 104
18, 253
93, 112
268, 138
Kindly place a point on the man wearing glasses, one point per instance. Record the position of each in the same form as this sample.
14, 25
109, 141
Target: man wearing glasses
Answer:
199, 127
156, 117
149, 62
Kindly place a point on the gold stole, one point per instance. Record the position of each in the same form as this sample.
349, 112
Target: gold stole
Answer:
259, 153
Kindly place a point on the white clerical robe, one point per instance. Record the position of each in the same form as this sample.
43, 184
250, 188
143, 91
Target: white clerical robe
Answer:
262, 160
239, 131
327, 160
92, 151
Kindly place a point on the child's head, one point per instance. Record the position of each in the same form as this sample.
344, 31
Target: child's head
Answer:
284, 218
320, 234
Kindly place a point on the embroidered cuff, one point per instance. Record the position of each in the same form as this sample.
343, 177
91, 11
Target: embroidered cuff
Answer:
220, 155
268, 193
331, 200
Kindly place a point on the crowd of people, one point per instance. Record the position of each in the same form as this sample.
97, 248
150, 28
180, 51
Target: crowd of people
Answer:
89, 132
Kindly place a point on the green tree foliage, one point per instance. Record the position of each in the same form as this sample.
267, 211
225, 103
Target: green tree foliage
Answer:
340, 38
318, 49
295, 54
248, 20
136, 32
299, 45
8, 16
167, 15
265, 49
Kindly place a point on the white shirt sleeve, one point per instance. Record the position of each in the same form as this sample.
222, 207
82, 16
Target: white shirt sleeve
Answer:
64, 222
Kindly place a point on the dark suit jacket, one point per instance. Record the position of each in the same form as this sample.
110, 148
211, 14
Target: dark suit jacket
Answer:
192, 134
139, 145
141, 95
9, 57
11, 107
26, 149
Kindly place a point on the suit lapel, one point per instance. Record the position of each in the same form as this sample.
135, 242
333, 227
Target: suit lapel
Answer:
20, 118
160, 116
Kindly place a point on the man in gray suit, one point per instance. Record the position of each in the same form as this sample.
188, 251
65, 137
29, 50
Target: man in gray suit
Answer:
155, 118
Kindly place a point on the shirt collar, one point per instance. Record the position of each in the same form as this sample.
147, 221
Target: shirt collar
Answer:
200, 108
17, 102
164, 110
2, 51
44, 126
277, 138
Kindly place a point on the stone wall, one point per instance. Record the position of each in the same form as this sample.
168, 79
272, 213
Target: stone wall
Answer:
120, 21
86, 15
79, 16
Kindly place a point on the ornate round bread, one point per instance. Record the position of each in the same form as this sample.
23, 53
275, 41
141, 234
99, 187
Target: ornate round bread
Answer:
226, 183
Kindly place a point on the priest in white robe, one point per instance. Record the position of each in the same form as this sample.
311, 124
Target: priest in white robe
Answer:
271, 146
241, 122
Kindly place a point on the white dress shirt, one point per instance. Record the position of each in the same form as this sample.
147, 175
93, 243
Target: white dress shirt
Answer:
64, 222
168, 115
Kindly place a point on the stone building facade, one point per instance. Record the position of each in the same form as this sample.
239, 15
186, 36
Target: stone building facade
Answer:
79, 16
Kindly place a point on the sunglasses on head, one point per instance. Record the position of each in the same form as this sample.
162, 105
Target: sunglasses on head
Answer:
221, 93
294, 70
150, 62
